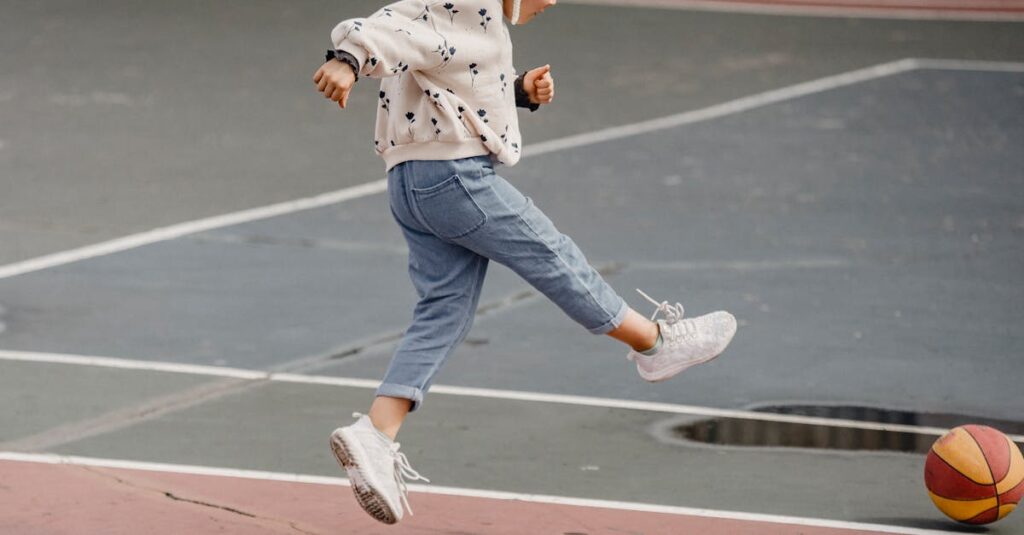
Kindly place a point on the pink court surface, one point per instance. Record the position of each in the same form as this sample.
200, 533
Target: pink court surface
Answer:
75, 498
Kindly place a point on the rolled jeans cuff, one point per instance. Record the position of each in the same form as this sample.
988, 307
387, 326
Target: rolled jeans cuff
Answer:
396, 390
613, 323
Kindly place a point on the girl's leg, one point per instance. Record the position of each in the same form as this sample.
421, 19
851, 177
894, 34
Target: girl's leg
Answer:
448, 279
455, 216
388, 413
636, 331
640, 333
519, 235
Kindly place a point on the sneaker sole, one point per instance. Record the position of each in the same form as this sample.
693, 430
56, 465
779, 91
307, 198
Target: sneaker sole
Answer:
665, 375
371, 502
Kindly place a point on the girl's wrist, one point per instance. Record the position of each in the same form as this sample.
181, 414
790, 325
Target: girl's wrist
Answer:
346, 58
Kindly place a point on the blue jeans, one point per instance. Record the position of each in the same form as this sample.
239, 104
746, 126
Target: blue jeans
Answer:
456, 215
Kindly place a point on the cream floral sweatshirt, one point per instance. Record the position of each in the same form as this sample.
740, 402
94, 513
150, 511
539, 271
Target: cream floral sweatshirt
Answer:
448, 88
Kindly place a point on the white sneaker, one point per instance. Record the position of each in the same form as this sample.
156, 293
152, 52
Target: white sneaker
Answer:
685, 342
375, 469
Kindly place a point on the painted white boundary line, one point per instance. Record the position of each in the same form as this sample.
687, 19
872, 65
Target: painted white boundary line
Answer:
511, 395
45, 458
969, 65
379, 186
129, 364
924, 12
190, 227
728, 108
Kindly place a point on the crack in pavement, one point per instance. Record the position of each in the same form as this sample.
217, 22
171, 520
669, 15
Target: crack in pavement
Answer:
174, 497
177, 498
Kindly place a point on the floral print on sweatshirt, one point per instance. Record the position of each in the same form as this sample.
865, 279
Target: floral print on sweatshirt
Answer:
448, 87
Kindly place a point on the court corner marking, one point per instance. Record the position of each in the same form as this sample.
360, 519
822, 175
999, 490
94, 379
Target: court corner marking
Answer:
380, 185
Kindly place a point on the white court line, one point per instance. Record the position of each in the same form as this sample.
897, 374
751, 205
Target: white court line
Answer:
727, 108
969, 65
740, 265
191, 227
510, 395
129, 364
379, 186
924, 12
46, 458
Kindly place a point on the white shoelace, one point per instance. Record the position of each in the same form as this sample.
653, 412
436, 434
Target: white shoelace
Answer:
672, 313
679, 328
402, 468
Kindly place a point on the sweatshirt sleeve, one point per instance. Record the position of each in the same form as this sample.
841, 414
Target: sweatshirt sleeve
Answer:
399, 37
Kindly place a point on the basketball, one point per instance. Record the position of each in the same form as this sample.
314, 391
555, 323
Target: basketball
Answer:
975, 474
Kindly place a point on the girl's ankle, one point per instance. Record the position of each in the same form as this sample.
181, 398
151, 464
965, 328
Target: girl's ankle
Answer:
651, 347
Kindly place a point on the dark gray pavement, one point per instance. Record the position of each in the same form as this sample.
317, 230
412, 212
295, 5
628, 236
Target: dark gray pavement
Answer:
856, 233
869, 238
36, 397
119, 117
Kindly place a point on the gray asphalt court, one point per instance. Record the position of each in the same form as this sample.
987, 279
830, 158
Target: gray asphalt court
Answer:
868, 236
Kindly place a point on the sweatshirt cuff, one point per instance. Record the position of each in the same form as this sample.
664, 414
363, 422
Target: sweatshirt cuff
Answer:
355, 51
347, 58
522, 97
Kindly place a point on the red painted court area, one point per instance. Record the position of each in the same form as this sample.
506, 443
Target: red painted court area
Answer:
38, 498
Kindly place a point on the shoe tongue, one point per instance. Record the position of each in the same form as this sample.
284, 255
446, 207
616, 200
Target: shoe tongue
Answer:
364, 421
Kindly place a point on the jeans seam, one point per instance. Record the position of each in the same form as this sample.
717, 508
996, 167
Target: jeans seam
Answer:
564, 263
417, 394
462, 331
611, 322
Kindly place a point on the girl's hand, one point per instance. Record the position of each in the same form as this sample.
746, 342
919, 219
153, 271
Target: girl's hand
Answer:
334, 79
539, 85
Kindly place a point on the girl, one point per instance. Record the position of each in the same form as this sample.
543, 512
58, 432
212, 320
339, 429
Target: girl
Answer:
446, 116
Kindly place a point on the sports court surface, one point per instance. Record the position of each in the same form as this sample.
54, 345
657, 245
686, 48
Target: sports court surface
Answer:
850, 187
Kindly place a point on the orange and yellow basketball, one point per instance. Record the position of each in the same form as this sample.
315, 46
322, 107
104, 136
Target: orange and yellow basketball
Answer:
975, 474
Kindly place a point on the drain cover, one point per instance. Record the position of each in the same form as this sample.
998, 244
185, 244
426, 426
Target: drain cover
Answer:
761, 433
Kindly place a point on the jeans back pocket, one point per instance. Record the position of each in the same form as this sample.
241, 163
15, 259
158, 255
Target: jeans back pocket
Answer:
448, 209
